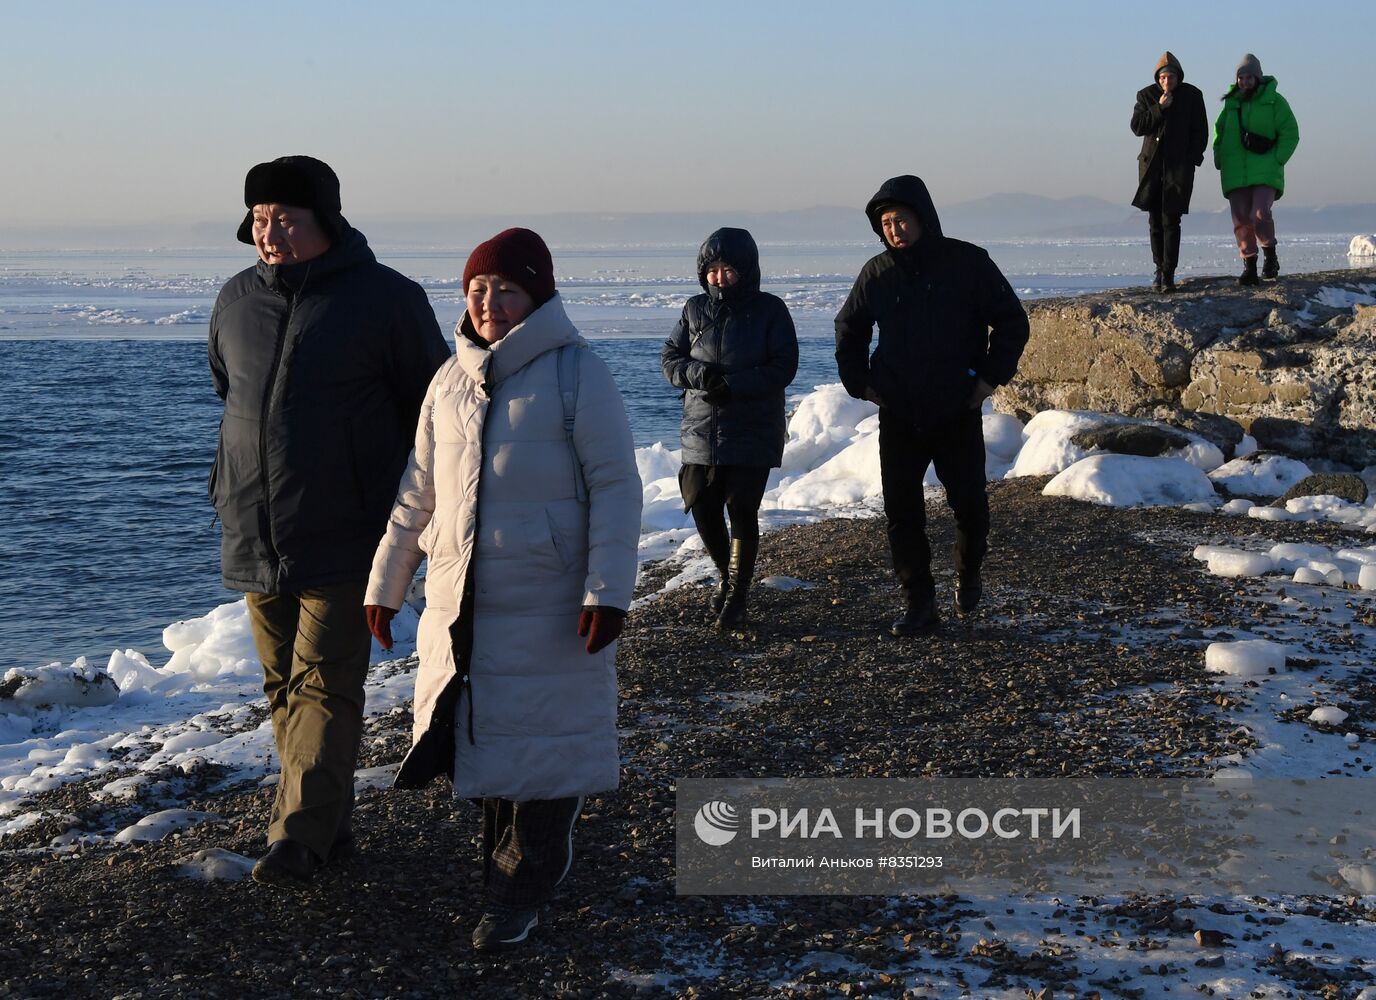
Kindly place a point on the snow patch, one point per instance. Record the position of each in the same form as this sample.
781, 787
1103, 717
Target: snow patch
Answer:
214, 864
1132, 481
1245, 658
159, 824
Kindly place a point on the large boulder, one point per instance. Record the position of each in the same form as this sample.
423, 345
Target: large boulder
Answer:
1309, 392
1342, 485
1145, 440
1292, 362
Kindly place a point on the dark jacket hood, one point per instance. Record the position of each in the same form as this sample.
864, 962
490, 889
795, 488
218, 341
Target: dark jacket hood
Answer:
1167, 61
737, 248
906, 190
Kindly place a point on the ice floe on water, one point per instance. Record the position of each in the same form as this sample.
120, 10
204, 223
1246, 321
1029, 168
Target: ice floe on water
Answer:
183, 317
98, 315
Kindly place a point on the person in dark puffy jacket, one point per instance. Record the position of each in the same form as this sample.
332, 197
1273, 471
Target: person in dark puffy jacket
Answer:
950, 330
1169, 116
322, 357
733, 353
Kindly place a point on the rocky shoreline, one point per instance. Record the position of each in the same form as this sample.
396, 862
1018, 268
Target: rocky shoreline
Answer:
1291, 362
1086, 659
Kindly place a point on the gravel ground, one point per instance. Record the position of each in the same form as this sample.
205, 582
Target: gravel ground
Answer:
1083, 607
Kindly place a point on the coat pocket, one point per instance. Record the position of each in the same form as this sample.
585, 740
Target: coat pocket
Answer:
214, 478
540, 544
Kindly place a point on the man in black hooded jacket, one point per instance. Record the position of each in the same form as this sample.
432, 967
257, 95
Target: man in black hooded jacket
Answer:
322, 357
950, 330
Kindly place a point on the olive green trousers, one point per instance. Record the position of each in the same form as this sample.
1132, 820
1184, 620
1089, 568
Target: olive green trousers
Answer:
314, 646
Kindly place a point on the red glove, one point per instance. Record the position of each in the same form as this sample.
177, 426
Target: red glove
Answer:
380, 623
600, 625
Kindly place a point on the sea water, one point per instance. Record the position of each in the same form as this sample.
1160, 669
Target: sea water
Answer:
108, 420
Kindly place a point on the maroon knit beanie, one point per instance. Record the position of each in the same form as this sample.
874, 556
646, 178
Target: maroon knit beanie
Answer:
517, 255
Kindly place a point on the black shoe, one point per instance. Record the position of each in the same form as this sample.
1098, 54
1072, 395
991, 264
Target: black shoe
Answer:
969, 589
288, 864
1249, 272
1167, 281
743, 553
918, 620
1156, 282
504, 930
1270, 267
343, 847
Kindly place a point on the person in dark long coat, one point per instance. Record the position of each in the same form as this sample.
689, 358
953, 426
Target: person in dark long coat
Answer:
1170, 118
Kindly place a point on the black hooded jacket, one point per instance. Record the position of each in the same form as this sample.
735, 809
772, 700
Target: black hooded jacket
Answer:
322, 366
946, 317
745, 335
1174, 140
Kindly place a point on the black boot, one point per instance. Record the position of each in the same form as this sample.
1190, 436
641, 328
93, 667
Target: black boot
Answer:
718, 545
743, 552
1157, 249
1270, 267
1157, 282
920, 619
1170, 254
969, 589
1249, 272
287, 865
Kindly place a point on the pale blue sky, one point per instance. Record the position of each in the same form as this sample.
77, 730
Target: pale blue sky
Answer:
154, 111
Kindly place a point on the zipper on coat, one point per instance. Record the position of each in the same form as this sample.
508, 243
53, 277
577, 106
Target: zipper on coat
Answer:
263, 477
725, 315
469, 597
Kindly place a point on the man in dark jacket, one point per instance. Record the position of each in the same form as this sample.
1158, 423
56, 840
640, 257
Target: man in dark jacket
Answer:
1169, 116
950, 330
322, 357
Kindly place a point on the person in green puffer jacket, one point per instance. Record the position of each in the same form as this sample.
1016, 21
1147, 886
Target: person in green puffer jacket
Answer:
1252, 179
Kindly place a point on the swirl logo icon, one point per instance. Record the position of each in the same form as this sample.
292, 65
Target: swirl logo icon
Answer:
716, 823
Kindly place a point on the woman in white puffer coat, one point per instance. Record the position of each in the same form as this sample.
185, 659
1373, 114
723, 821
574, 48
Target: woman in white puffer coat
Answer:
523, 493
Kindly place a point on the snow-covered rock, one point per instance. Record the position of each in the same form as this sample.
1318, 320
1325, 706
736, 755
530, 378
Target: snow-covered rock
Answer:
1132, 481
55, 685
1260, 474
1245, 658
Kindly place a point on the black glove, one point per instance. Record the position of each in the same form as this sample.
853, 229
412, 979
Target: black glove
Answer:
718, 393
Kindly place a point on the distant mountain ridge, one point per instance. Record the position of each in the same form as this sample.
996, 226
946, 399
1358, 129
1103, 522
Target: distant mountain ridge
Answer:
996, 216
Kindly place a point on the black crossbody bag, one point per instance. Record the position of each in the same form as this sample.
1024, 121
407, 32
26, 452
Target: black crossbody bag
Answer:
1251, 141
